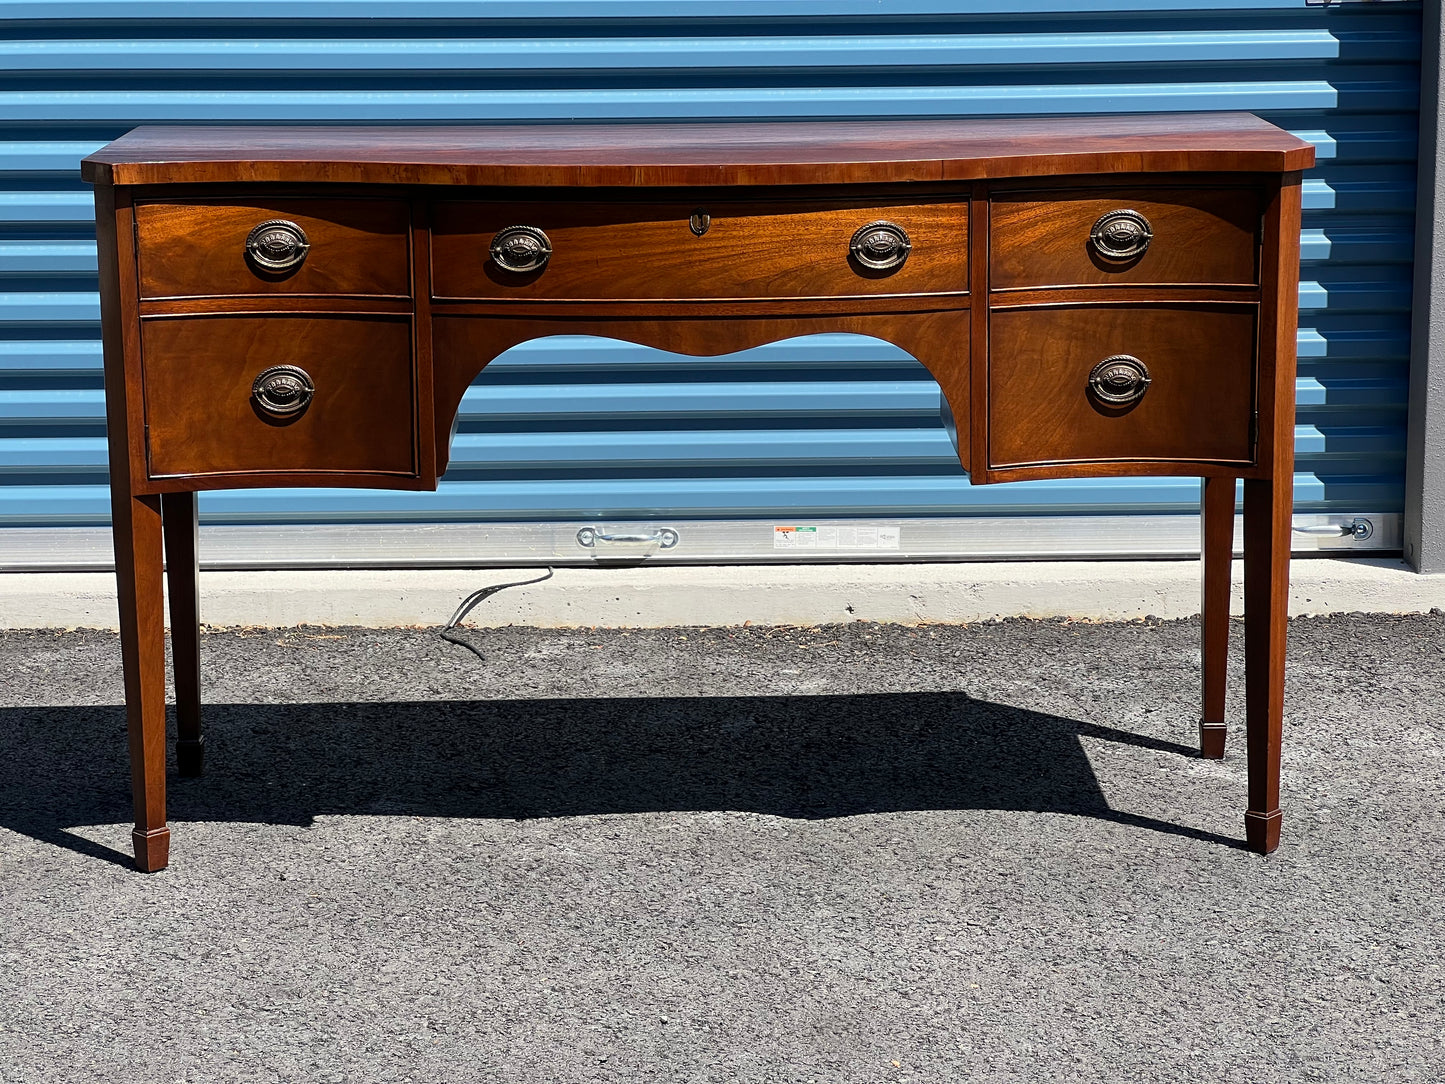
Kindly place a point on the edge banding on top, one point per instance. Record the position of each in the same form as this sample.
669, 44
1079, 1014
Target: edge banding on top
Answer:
700, 154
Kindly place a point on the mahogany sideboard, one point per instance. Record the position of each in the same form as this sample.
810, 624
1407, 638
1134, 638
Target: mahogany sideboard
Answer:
288, 306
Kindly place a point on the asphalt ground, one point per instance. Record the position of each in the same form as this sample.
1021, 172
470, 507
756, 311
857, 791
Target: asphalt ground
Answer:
850, 853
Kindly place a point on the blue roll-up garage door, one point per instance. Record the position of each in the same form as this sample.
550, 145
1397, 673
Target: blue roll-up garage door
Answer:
832, 430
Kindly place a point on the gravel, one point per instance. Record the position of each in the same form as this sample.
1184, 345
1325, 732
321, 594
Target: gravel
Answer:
848, 853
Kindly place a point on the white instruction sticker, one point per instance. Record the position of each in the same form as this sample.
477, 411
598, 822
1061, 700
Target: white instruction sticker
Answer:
837, 538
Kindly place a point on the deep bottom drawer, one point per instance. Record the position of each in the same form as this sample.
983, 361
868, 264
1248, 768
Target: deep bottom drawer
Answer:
1196, 406
206, 414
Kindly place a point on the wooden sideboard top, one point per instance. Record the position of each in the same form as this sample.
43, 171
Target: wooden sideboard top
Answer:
752, 153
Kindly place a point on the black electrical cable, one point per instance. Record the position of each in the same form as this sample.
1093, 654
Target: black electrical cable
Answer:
470, 602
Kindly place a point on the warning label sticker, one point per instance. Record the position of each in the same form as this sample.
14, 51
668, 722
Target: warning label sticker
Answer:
837, 538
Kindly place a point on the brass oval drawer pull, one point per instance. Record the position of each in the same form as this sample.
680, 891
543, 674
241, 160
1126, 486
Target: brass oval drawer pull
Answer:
880, 246
1120, 380
521, 249
1121, 235
277, 245
283, 390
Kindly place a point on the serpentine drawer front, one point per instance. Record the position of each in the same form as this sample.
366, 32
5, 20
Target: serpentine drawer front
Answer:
699, 248
1139, 235
243, 245
243, 394
307, 307
1115, 382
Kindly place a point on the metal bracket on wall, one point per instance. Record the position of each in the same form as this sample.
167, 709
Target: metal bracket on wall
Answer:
1359, 529
637, 543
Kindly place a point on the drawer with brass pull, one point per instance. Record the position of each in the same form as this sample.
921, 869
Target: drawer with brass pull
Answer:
236, 247
1153, 236
697, 250
1157, 382
306, 393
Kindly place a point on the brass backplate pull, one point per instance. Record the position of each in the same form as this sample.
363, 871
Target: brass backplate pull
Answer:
880, 246
283, 390
277, 245
1121, 235
521, 249
1120, 380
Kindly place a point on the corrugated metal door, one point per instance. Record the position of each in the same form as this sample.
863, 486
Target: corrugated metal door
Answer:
568, 432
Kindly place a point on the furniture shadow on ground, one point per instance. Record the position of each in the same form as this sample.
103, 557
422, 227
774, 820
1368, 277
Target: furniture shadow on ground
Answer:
788, 755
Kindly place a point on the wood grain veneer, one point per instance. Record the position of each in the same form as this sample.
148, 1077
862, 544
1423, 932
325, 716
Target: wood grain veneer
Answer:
201, 418
705, 153
645, 250
1198, 407
1202, 237
197, 248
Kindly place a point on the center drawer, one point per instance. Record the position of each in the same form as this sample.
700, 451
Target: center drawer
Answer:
247, 394
699, 250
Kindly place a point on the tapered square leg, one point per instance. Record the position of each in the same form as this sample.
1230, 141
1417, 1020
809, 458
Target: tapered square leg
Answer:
1268, 504
1267, 507
178, 520
137, 528
1217, 546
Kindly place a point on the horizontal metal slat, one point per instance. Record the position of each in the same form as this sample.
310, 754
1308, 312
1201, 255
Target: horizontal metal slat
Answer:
361, 11
1351, 394
873, 398
45, 155
750, 497
491, 56
1364, 190
1387, 289
1313, 443
236, 106
712, 449
49, 308
1324, 336
1391, 240
24, 207
48, 257
1390, 137
49, 356
36, 455
52, 405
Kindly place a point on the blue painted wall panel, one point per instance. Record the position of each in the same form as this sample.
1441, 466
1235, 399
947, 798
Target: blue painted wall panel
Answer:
575, 428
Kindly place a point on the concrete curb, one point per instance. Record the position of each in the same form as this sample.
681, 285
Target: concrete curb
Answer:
664, 596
